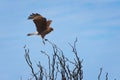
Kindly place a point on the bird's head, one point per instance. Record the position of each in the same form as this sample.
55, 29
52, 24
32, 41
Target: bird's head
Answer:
51, 29
50, 21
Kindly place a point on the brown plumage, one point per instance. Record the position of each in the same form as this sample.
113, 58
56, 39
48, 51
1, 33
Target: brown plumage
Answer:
42, 25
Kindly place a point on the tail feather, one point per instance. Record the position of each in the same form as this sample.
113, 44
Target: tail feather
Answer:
30, 34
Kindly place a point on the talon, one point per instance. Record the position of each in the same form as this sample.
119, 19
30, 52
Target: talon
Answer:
46, 39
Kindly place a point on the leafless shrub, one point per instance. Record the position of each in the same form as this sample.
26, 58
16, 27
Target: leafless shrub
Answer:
58, 65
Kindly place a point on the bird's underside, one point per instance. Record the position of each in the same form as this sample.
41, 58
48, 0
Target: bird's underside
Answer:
42, 25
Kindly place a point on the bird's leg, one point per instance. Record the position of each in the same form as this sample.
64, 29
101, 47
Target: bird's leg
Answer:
43, 40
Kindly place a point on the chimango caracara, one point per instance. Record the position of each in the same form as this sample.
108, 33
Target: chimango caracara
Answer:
42, 25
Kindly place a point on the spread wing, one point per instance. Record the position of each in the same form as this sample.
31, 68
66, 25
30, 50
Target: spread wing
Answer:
40, 22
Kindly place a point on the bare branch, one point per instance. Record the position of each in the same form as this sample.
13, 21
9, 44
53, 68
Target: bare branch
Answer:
40, 71
43, 52
27, 58
100, 74
53, 66
106, 76
78, 69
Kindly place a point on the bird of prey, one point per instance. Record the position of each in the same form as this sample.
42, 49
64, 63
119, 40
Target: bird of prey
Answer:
42, 25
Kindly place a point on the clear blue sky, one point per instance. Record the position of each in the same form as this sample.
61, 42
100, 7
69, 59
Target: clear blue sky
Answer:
96, 24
